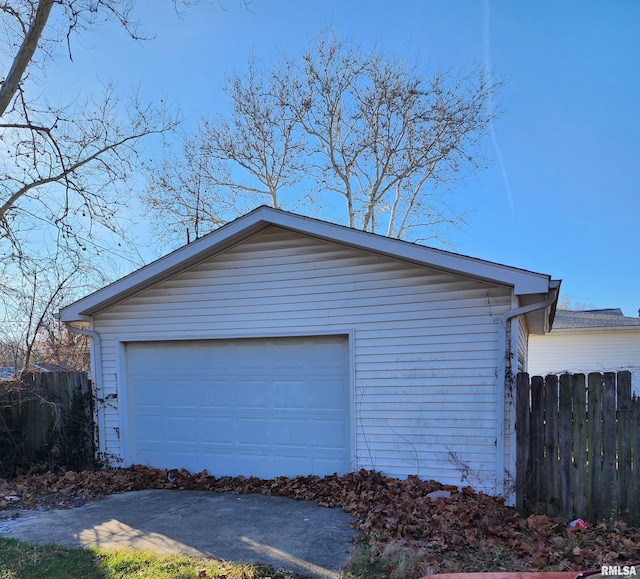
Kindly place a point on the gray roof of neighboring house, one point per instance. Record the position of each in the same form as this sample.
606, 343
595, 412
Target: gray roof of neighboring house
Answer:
49, 368
10, 372
593, 319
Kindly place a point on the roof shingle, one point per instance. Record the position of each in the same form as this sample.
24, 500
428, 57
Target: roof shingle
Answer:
595, 319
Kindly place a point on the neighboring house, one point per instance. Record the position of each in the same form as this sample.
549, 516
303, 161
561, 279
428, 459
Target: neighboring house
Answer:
48, 368
588, 341
285, 345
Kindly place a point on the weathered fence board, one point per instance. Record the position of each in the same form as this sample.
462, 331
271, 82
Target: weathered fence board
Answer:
537, 479
609, 447
594, 444
564, 447
578, 446
634, 489
550, 435
49, 416
579, 443
625, 422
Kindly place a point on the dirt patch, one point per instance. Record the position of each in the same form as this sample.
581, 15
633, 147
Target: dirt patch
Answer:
466, 531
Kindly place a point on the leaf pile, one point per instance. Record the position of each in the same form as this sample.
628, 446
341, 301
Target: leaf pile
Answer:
468, 531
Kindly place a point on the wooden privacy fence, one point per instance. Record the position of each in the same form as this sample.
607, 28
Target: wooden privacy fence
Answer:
578, 446
47, 417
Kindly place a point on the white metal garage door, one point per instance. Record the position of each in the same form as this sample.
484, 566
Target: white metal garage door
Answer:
261, 407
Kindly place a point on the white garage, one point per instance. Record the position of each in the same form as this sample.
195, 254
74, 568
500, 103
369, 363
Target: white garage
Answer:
261, 407
285, 345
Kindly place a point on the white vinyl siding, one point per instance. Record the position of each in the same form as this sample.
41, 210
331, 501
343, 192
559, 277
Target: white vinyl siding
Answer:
523, 345
586, 351
423, 342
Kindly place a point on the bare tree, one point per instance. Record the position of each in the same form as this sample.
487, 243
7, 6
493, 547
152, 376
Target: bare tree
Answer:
566, 303
63, 348
65, 168
333, 125
231, 165
184, 183
35, 287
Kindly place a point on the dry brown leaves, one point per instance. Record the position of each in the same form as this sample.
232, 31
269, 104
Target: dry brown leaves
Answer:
468, 531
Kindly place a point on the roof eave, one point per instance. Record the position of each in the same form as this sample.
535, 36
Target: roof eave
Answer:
541, 321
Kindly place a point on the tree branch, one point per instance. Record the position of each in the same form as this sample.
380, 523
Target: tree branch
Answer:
24, 55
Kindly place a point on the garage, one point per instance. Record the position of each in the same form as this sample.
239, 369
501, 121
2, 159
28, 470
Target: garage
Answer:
255, 407
280, 344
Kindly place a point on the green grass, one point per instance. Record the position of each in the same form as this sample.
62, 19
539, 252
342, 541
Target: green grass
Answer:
20, 560
392, 562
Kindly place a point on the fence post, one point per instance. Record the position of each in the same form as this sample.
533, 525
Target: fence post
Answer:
523, 440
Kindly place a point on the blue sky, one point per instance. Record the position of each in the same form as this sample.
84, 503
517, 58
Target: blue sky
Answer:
559, 194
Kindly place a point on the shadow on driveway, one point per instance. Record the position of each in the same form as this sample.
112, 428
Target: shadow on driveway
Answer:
298, 536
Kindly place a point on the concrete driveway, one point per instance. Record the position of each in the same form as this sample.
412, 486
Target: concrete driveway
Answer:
295, 535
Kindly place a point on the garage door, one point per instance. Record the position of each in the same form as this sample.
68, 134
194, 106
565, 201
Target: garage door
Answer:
261, 407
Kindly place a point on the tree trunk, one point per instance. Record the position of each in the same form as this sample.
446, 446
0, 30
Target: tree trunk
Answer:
25, 53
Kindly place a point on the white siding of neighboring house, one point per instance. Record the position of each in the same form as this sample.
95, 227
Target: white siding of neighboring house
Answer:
586, 351
424, 343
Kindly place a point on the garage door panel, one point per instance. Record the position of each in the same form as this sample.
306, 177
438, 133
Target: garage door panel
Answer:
217, 394
328, 465
253, 432
263, 407
290, 433
182, 394
147, 394
289, 394
152, 456
149, 427
328, 434
293, 465
215, 429
330, 394
189, 460
252, 394
246, 464
183, 429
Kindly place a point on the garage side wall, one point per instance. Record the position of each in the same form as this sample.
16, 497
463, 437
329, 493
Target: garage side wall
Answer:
424, 344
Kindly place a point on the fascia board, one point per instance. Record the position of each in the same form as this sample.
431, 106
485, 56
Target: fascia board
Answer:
524, 282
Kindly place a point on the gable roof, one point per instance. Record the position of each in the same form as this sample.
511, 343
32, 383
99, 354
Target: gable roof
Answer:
530, 286
593, 320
